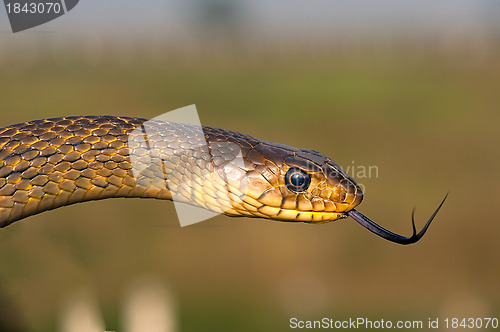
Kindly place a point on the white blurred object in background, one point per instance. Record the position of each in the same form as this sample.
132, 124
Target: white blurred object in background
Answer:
80, 313
147, 306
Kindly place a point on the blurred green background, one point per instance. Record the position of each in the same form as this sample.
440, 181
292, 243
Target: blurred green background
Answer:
428, 120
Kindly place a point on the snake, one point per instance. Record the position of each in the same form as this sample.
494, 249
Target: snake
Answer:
50, 163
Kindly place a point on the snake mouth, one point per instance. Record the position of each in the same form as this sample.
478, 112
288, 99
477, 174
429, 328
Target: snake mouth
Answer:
292, 215
311, 217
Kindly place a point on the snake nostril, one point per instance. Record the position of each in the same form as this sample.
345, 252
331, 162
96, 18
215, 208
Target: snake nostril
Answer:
338, 194
349, 191
353, 194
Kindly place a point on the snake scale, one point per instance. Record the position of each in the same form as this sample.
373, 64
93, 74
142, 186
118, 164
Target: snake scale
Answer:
46, 164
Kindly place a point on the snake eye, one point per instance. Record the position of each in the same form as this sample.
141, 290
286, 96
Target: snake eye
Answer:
297, 180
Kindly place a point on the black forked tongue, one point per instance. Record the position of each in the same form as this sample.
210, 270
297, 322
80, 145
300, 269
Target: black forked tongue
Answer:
388, 235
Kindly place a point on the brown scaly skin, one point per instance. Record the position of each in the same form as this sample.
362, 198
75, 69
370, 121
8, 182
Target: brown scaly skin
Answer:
46, 164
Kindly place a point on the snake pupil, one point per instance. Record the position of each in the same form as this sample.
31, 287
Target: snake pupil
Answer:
297, 180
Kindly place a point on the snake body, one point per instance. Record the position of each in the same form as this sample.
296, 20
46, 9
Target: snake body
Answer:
50, 163
46, 164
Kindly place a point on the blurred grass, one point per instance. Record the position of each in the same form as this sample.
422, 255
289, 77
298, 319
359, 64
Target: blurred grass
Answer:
429, 125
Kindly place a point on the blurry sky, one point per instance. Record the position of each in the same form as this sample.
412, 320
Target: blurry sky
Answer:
99, 18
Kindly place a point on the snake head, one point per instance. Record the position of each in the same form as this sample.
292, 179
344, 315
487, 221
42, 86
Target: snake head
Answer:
289, 184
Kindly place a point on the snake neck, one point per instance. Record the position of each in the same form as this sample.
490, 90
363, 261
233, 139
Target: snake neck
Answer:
46, 164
